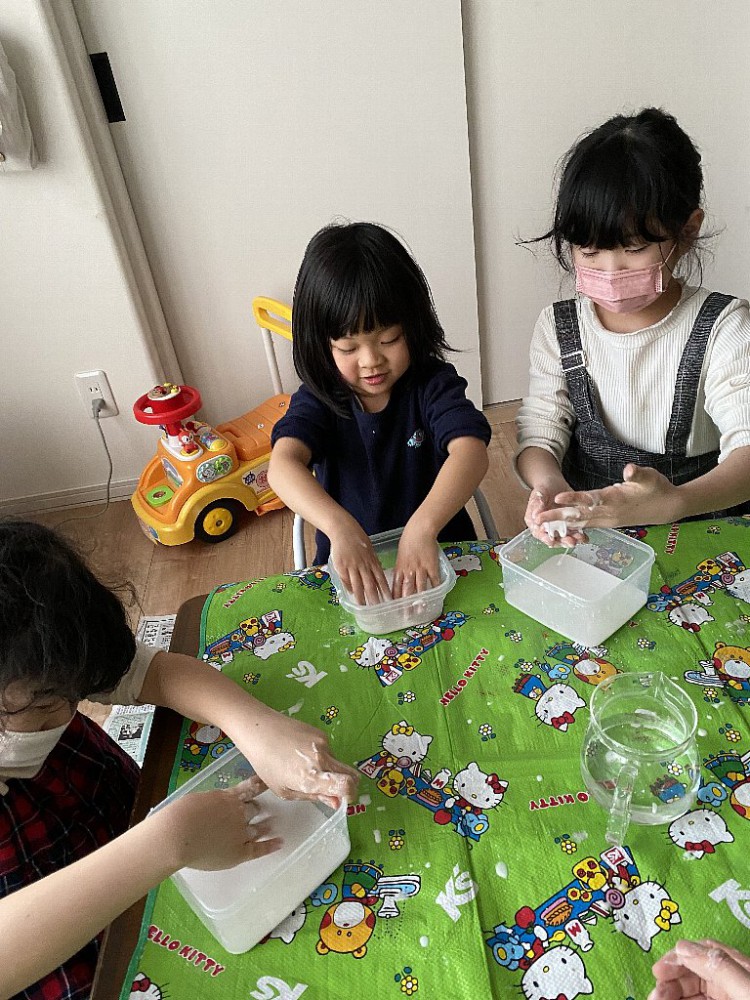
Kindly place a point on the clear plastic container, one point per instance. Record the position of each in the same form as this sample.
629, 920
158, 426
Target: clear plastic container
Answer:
585, 593
243, 904
401, 613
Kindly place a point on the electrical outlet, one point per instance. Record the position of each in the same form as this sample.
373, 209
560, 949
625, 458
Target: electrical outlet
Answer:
95, 385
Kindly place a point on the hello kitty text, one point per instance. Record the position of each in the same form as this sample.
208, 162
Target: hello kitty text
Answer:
453, 692
191, 955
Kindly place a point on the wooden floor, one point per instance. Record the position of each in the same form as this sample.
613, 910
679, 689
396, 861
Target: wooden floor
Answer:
164, 577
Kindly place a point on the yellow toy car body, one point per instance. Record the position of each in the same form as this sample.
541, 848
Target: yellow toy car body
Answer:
201, 477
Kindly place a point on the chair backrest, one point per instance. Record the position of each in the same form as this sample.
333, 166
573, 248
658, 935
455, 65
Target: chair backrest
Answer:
273, 316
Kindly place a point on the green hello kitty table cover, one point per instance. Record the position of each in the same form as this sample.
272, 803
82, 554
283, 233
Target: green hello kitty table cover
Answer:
478, 864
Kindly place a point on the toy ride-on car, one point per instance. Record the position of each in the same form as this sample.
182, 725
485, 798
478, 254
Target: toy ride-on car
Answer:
201, 477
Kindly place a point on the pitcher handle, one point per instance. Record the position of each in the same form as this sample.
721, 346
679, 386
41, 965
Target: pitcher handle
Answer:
619, 812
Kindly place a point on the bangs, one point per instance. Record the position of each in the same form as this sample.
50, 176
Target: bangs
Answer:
361, 298
612, 202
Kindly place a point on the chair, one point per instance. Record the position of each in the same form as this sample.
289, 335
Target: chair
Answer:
273, 316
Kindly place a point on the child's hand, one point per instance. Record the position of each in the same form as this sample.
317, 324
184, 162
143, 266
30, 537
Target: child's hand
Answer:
295, 762
644, 497
357, 565
220, 829
542, 510
417, 562
701, 970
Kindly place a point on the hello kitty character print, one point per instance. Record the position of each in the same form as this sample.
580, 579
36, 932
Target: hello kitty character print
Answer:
143, 989
740, 586
698, 832
405, 747
558, 974
554, 706
473, 792
287, 929
647, 909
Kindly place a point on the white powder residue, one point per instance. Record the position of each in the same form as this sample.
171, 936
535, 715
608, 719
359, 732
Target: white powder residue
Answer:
468, 722
376, 835
424, 940
500, 659
702, 732
343, 668
539, 777
427, 864
502, 869
380, 809
580, 836
365, 800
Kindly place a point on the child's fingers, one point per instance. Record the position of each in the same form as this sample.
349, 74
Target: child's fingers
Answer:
739, 957
712, 963
249, 788
260, 848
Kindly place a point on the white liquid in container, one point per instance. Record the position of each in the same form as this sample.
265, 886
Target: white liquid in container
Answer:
577, 577
587, 612
293, 819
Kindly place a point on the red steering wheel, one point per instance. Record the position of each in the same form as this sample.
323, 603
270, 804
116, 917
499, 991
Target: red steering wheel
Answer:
161, 411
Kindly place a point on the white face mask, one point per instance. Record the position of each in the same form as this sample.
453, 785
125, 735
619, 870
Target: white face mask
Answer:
22, 755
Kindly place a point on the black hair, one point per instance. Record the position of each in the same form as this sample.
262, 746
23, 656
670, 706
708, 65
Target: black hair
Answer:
63, 634
354, 278
634, 178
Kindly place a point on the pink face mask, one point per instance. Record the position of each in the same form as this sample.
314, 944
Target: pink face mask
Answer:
626, 291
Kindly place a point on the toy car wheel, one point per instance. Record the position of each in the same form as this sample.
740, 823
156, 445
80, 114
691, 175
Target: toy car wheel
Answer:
218, 521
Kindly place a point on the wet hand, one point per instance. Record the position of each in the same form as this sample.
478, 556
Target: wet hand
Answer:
701, 970
357, 565
220, 829
541, 511
295, 761
644, 497
417, 566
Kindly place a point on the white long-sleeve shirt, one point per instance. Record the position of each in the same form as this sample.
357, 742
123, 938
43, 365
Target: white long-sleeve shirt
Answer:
634, 376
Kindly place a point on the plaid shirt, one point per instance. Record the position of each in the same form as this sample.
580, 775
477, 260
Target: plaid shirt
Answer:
81, 799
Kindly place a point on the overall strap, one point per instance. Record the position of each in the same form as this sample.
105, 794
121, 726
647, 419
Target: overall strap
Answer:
689, 373
573, 359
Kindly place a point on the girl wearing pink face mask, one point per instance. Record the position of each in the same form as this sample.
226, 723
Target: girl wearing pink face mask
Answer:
638, 409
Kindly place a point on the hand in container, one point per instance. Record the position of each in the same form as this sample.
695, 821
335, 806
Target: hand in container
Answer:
357, 565
417, 567
220, 829
701, 970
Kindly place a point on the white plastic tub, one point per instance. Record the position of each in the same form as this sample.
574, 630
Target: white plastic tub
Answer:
585, 593
393, 615
242, 904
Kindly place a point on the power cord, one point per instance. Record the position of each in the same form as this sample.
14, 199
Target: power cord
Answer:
97, 405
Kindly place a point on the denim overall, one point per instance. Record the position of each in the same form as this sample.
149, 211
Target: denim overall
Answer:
595, 458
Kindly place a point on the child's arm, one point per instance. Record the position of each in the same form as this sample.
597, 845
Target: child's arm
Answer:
461, 473
292, 758
65, 910
290, 477
647, 497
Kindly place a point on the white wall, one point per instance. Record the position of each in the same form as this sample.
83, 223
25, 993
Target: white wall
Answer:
68, 301
541, 72
250, 125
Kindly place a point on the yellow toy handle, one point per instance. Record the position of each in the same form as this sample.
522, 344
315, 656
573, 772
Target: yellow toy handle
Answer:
270, 314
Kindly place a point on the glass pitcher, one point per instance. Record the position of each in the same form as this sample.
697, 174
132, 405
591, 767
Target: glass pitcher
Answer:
639, 758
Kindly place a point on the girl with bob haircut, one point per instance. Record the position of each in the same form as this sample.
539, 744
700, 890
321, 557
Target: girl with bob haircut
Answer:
638, 410
380, 435
66, 788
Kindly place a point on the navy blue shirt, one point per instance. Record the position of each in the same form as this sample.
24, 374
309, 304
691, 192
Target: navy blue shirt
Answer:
381, 466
